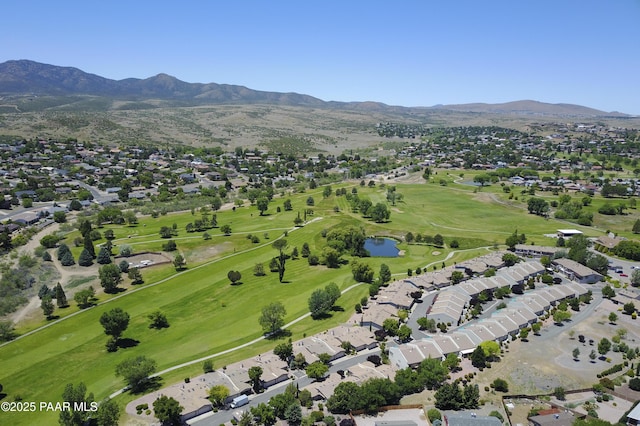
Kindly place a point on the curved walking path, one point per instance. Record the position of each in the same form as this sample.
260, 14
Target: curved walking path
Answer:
135, 290
235, 348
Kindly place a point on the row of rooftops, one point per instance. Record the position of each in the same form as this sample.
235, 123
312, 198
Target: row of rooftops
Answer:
519, 313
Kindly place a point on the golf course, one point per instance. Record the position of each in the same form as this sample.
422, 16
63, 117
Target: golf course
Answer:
209, 314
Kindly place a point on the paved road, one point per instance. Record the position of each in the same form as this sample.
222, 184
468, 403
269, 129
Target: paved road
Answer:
223, 416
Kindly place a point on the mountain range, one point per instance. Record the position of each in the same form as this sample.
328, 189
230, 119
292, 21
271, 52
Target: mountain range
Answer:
24, 78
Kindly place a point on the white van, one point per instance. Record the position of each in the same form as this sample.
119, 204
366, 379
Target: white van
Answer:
239, 401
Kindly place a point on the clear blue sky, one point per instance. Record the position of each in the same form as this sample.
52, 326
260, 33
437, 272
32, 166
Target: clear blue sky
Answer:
411, 53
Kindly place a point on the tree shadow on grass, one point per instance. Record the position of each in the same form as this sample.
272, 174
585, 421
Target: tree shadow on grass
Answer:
337, 308
150, 385
2, 396
322, 316
116, 290
127, 343
280, 334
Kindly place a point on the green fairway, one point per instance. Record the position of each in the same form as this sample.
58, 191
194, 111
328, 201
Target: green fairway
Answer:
208, 315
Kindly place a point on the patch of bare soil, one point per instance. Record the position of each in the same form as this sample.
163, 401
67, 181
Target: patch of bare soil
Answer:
207, 253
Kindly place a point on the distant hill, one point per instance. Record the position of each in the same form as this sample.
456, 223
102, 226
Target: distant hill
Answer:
529, 107
32, 78
67, 88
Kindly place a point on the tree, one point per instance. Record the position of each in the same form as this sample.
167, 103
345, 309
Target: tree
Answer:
263, 414
84, 298
449, 397
76, 395
316, 370
284, 350
49, 241
108, 413
126, 250
167, 410
510, 259
391, 326
559, 392
537, 206
346, 397
287, 205
179, 262
576, 353
104, 256
158, 320
456, 277
478, 358
67, 259
61, 297
608, 292
427, 324
635, 278
629, 308
136, 371
263, 204
305, 252
135, 276
7, 331
225, 229
281, 259
234, 276
255, 373
47, 306
218, 394
319, 303
500, 385
379, 213
613, 317
258, 270
404, 333
560, 316
604, 345
110, 277
491, 349
272, 318
362, 272
636, 227
85, 258
115, 322
434, 414
385, 274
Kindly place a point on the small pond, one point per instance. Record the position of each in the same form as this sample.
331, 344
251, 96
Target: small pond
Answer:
381, 247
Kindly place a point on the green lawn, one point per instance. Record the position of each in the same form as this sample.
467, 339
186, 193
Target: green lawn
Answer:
208, 315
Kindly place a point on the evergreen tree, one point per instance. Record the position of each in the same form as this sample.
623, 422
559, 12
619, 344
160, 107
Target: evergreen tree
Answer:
61, 297
636, 227
44, 291
88, 245
67, 259
62, 250
47, 306
85, 258
104, 256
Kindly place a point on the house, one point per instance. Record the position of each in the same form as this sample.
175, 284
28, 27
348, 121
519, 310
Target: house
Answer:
556, 419
577, 272
606, 243
633, 418
466, 418
535, 251
568, 233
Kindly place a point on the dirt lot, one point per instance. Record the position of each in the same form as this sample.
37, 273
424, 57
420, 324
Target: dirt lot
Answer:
545, 362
